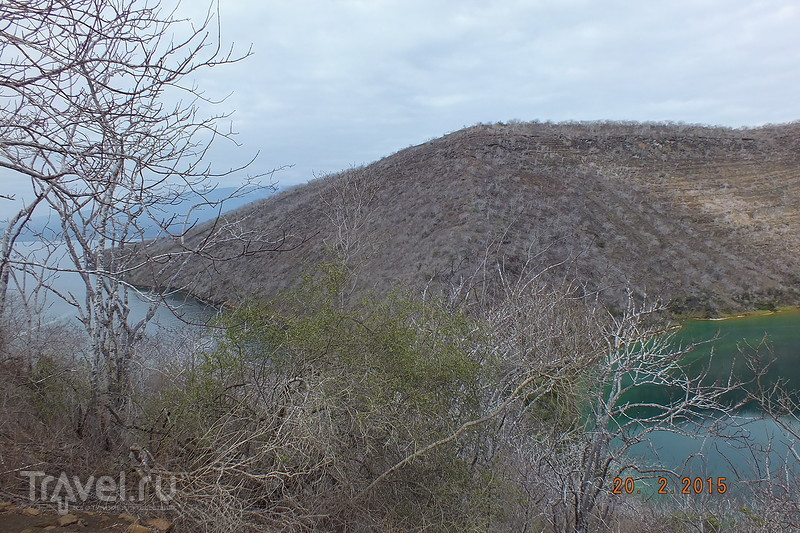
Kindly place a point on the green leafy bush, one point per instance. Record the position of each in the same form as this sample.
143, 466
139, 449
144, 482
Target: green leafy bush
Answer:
323, 396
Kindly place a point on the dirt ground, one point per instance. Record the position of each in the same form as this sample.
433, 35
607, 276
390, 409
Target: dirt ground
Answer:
17, 519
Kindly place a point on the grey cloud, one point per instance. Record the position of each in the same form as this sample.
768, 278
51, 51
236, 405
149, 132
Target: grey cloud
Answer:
333, 83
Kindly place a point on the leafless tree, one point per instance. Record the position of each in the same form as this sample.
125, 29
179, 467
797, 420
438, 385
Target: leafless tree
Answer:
100, 116
564, 411
773, 493
348, 202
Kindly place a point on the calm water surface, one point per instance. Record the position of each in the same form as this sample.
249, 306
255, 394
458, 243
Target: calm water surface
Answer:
747, 446
180, 309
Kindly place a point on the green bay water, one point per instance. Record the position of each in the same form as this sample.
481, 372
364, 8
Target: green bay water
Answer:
775, 338
746, 446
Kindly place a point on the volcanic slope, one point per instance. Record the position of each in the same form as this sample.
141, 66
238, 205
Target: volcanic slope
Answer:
705, 218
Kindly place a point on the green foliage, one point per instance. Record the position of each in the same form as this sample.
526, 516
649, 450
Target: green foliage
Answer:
702, 302
343, 391
752, 516
56, 389
769, 299
392, 351
686, 521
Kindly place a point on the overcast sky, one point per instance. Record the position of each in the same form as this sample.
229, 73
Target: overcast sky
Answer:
336, 83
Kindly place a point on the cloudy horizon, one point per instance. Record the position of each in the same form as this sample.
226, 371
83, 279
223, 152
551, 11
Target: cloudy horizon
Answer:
332, 84
335, 84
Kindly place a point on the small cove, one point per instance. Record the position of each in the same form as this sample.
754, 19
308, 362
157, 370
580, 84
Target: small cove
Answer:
746, 446
177, 310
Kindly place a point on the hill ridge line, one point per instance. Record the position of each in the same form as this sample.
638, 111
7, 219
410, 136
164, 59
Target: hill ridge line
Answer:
709, 220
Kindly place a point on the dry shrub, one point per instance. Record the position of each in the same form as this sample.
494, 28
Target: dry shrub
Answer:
304, 403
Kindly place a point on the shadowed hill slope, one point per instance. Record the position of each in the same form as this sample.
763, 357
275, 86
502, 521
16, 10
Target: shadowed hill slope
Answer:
707, 218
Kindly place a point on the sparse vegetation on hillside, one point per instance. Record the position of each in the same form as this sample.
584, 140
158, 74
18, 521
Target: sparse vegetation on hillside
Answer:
696, 215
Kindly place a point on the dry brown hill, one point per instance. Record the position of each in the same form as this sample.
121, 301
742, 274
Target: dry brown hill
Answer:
707, 218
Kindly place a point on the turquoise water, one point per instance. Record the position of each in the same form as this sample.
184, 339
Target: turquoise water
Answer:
772, 340
747, 446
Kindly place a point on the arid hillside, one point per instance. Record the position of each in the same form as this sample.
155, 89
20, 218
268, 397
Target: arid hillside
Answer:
705, 218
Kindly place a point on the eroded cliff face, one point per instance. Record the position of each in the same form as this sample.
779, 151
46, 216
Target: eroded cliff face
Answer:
706, 218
